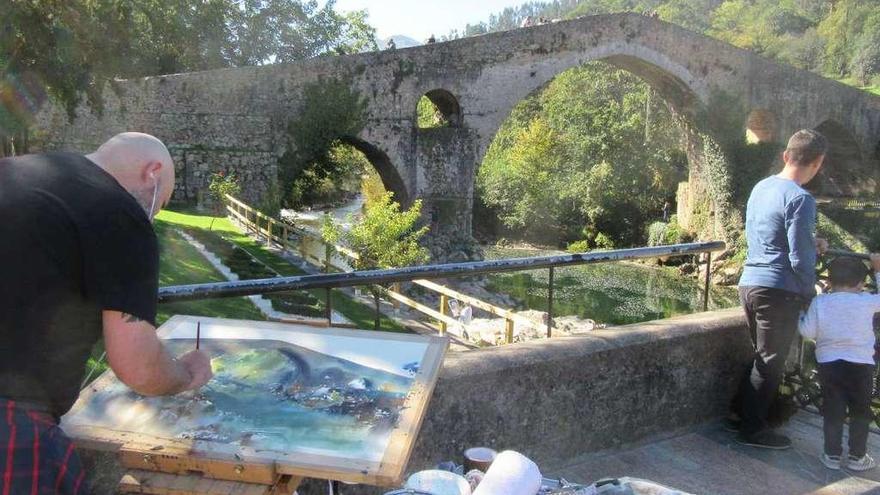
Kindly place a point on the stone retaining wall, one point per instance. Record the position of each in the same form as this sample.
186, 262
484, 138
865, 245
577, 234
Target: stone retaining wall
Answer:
553, 400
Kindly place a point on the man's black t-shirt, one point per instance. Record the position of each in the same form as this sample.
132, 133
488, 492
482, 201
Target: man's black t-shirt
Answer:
73, 242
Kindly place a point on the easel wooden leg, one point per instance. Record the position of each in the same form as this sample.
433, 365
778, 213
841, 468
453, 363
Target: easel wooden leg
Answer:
285, 485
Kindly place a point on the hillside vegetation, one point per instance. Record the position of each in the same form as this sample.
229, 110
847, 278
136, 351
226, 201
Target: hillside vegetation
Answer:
839, 39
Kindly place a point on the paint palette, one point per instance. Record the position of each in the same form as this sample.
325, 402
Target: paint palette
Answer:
315, 402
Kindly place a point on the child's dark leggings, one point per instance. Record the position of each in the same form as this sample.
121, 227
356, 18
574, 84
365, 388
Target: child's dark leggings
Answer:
846, 386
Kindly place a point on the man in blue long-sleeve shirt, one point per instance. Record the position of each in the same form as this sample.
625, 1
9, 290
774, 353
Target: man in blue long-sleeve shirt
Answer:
779, 278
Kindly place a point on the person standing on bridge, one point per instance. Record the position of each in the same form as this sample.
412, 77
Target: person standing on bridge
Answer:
79, 260
842, 325
778, 280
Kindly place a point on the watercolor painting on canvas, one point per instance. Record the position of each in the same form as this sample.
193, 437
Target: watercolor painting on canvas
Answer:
290, 389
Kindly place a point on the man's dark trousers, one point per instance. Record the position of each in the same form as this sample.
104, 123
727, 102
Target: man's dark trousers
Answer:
772, 316
846, 387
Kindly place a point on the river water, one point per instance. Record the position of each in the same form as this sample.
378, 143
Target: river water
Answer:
610, 293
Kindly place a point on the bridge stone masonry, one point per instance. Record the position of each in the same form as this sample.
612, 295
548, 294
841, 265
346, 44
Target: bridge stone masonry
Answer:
237, 119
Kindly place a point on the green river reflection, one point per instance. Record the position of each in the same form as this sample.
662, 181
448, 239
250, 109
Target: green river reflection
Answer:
611, 293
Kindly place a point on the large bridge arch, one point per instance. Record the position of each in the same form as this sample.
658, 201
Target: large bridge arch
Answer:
674, 83
685, 93
680, 89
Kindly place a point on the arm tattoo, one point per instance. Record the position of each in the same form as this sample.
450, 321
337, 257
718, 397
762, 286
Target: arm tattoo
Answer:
131, 318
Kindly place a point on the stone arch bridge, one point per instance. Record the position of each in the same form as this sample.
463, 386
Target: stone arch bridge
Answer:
236, 119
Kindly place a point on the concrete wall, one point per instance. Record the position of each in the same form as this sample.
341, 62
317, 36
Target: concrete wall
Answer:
559, 398
556, 399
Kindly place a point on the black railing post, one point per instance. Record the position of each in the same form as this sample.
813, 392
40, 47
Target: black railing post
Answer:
376, 302
706, 282
550, 303
328, 308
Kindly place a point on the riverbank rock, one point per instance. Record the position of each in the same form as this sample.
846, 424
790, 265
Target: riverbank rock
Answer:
477, 288
727, 272
492, 331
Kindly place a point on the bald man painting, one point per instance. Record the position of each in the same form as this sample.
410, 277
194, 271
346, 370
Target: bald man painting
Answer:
78, 261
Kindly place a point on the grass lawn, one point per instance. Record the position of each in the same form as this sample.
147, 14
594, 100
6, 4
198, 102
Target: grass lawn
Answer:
197, 224
181, 264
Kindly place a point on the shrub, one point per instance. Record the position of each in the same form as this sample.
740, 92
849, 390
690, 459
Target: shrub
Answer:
603, 241
663, 234
581, 246
222, 184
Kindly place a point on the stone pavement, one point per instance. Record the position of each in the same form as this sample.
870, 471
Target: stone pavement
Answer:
707, 461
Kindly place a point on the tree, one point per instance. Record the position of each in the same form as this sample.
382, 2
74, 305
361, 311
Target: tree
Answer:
331, 112
331, 186
804, 52
384, 237
221, 186
865, 62
573, 161
695, 15
69, 50
428, 115
372, 188
841, 28
289, 30
41, 53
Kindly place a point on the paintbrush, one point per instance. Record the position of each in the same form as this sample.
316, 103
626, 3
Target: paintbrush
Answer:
198, 333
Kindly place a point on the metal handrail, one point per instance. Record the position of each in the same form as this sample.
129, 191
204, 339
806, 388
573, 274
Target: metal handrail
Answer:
387, 276
851, 254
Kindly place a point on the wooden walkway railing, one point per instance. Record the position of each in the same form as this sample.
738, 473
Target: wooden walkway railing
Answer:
279, 232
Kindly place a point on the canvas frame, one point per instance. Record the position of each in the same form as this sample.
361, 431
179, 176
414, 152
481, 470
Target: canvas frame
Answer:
223, 461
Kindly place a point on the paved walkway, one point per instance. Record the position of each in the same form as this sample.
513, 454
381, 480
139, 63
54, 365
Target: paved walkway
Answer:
706, 461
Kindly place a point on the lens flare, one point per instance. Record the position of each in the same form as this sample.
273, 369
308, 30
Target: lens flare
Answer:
21, 97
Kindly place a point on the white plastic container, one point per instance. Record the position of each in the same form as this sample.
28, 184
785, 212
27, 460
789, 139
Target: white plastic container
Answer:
437, 482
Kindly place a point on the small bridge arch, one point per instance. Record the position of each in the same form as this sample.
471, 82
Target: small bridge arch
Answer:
380, 161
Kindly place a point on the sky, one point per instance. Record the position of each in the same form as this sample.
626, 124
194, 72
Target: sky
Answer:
419, 19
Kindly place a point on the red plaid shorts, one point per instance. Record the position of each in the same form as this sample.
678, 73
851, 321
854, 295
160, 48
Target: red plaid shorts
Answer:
36, 457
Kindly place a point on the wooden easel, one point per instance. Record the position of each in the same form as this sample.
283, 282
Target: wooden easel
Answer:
139, 481
174, 468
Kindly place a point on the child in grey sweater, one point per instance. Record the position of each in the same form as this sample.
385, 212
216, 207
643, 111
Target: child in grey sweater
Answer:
842, 324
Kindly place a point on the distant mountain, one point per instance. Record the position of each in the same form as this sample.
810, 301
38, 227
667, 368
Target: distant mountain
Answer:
400, 41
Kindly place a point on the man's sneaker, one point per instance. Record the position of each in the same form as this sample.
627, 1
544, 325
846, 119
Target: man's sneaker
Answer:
863, 463
766, 439
830, 461
731, 425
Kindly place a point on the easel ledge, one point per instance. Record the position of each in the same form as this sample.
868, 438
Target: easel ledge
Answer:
138, 481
